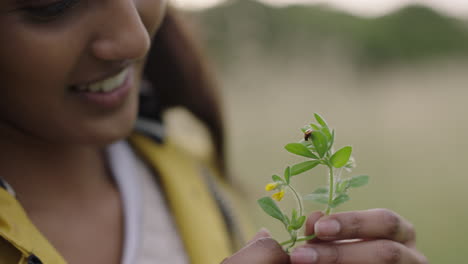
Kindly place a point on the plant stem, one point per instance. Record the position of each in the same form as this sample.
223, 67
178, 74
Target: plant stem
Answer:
301, 212
330, 191
299, 239
298, 199
293, 241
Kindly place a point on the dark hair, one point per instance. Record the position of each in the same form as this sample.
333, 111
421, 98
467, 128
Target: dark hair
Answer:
179, 75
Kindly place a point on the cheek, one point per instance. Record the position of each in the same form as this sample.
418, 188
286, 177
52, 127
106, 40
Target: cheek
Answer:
34, 67
35, 55
35, 64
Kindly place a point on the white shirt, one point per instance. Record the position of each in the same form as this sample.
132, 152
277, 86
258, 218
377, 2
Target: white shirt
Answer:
150, 235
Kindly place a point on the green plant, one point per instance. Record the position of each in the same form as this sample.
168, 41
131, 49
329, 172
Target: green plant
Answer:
317, 146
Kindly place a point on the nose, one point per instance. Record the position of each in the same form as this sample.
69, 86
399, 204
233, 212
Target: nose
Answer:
121, 35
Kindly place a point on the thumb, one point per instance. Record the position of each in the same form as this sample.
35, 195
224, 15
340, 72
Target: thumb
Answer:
262, 249
262, 233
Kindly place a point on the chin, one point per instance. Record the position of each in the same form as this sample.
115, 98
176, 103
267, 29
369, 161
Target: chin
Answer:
96, 131
105, 138
110, 130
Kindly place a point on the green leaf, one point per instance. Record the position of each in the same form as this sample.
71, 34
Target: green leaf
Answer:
342, 186
287, 174
270, 207
339, 200
276, 178
341, 157
332, 140
309, 145
358, 181
320, 143
299, 222
301, 150
350, 164
306, 143
321, 190
317, 197
327, 133
320, 120
293, 216
324, 125
315, 127
304, 166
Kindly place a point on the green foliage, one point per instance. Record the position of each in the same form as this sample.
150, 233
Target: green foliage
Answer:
300, 149
296, 221
269, 206
276, 178
317, 197
287, 174
411, 34
304, 166
358, 181
318, 147
320, 142
320, 120
341, 157
341, 198
321, 190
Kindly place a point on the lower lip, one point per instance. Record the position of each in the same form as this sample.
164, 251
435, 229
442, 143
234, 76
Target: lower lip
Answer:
112, 99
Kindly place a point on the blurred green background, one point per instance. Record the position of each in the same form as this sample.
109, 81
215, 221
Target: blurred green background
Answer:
394, 87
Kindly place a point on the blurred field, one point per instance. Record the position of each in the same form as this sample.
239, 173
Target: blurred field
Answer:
408, 127
407, 122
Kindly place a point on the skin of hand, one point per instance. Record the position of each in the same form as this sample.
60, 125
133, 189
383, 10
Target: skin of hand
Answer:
262, 249
377, 236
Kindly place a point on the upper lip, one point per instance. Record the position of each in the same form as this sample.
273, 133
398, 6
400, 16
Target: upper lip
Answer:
103, 77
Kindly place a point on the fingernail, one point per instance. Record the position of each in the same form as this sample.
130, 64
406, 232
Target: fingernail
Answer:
263, 231
304, 255
327, 228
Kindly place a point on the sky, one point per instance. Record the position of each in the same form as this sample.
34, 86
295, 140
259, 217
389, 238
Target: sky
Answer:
360, 7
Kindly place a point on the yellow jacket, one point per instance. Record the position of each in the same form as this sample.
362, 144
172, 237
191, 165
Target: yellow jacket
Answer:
201, 203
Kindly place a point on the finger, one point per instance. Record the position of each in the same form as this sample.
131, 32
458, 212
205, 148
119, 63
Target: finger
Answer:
365, 252
370, 224
261, 250
262, 233
310, 223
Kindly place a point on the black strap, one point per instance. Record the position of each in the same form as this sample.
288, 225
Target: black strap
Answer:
149, 113
3, 184
153, 129
149, 106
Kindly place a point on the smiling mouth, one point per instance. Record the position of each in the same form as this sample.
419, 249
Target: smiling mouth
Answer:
104, 86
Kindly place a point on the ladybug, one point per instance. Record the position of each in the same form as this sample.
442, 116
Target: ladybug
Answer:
307, 134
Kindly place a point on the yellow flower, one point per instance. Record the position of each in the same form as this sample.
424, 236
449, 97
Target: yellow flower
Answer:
271, 186
278, 196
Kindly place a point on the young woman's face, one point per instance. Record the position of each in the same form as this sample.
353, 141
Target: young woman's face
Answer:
70, 69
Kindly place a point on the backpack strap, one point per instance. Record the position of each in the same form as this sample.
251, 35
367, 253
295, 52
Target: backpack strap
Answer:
27, 240
197, 216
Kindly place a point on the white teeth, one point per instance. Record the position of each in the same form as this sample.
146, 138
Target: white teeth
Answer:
105, 86
96, 87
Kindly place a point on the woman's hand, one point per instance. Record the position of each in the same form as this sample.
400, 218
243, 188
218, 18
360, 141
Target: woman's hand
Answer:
377, 236
262, 249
